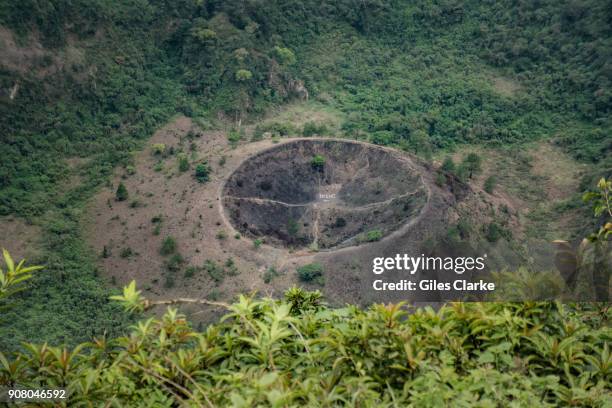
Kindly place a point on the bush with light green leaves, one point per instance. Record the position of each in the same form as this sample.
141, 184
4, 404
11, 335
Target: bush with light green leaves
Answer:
299, 352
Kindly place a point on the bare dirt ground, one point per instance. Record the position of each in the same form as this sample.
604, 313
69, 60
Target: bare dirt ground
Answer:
190, 213
298, 113
29, 56
19, 238
560, 170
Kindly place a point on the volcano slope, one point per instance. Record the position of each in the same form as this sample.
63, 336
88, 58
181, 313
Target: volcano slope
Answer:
324, 194
340, 204
267, 209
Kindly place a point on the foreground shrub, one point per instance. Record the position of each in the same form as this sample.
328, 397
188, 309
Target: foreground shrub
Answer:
13, 277
298, 352
275, 129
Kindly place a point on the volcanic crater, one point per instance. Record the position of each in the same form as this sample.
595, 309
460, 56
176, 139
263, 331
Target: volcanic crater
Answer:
323, 194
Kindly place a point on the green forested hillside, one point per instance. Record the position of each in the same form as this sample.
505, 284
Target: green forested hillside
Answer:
425, 76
